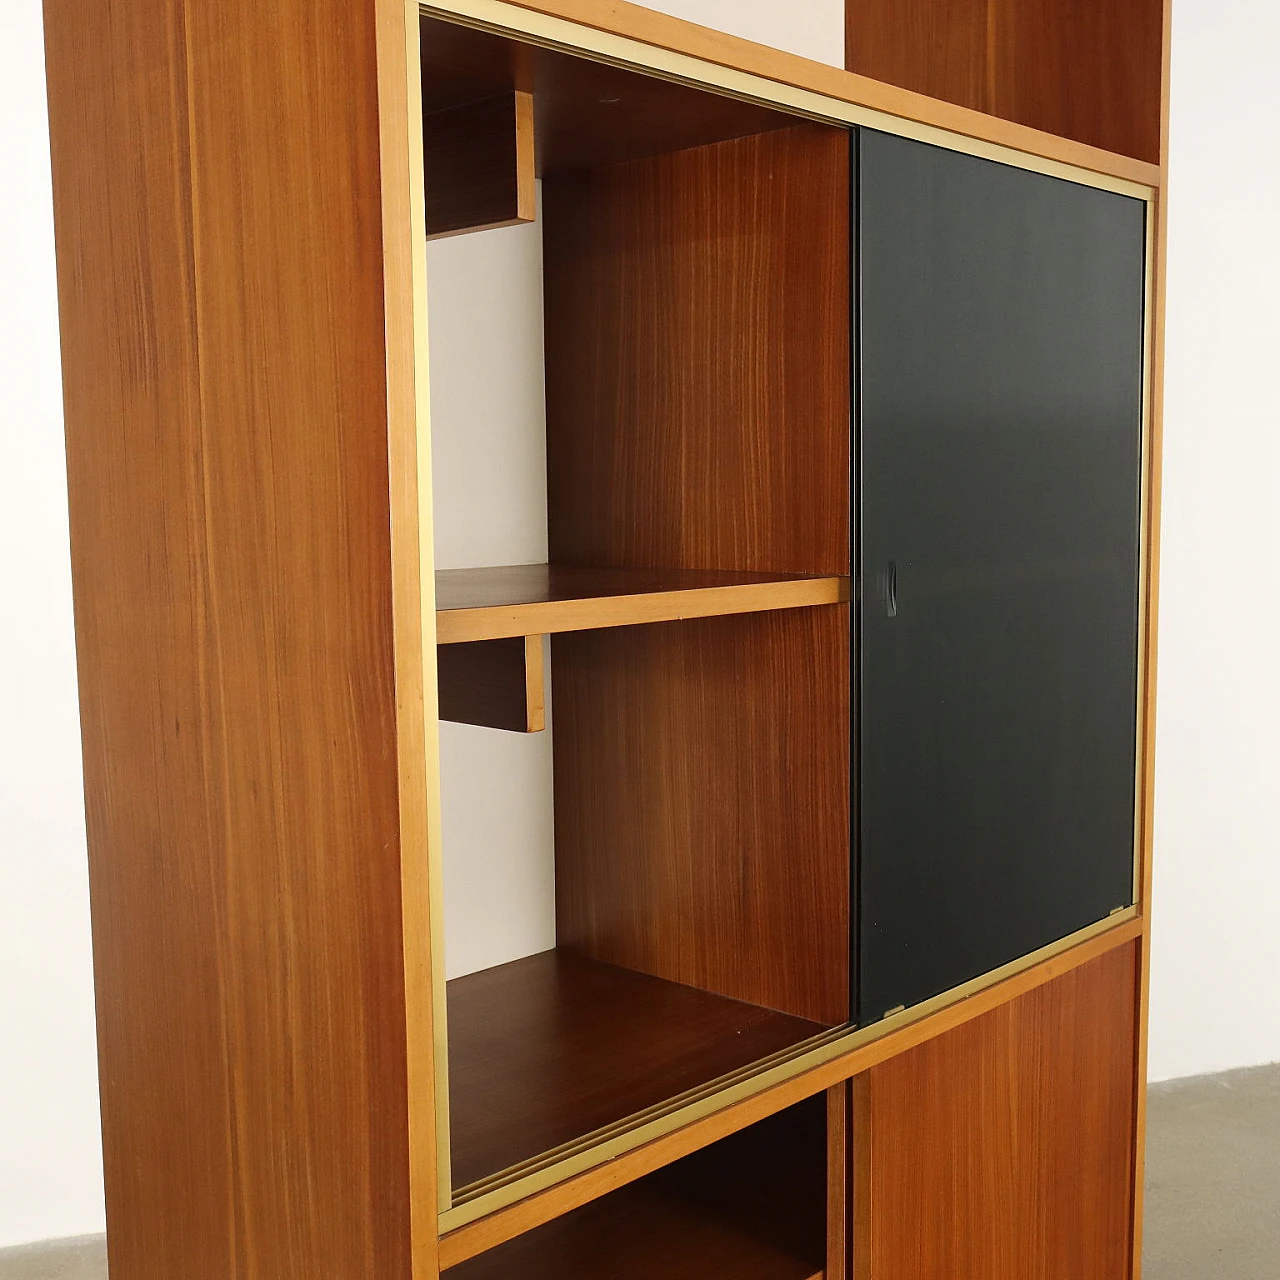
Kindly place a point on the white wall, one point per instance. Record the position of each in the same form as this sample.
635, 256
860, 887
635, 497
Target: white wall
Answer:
811, 28
1217, 946
489, 482
1215, 993
50, 1160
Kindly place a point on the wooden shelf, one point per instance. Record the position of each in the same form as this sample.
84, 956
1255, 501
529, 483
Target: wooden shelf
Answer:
638, 1233
548, 1049
538, 599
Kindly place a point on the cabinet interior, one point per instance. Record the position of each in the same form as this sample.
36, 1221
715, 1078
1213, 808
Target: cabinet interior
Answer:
695, 687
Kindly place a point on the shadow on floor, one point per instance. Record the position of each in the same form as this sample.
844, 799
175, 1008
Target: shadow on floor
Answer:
1213, 1189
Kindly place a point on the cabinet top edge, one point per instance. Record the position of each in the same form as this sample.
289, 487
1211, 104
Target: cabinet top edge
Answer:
630, 35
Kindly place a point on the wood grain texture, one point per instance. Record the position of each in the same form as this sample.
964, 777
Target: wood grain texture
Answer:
546, 1050
484, 1233
751, 1205
638, 1233
1088, 70
839, 1145
702, 804
697, 358
479, 164
221, 263
1155, 426
515, 600
635, 22
404, 254
587, 112
1003, 1150
497, 684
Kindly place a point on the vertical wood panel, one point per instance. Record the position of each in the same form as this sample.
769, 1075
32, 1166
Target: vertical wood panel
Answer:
1160, 232
218, 207
1002, 1150
839, 1139
1088, 70
697, 348
701, 793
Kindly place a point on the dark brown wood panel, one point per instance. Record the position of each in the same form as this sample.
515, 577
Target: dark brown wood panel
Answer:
702, 804
638, 1233
217, 200
1089, 70
478, 161
697, 355
1003, 1150
752, 1205
516, 599
587, 113
547, 1049
498, 684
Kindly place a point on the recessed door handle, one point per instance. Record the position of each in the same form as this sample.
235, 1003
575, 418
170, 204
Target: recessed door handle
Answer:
891, 589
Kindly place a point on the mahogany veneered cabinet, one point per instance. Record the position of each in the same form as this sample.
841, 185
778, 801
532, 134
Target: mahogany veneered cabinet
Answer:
819, 735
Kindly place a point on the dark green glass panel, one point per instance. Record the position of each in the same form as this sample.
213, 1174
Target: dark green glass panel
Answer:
1001, 334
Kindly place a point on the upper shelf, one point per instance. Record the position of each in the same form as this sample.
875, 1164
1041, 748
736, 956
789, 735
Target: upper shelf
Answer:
539, 599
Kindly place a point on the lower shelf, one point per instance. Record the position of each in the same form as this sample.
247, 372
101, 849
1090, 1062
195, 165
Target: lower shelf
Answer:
551, 1048
638, 1233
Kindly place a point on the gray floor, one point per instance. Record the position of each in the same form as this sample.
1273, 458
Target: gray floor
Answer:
1213, 1178
1213, 1188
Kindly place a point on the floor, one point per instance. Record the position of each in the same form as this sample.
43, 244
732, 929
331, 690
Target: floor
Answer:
1213, 1188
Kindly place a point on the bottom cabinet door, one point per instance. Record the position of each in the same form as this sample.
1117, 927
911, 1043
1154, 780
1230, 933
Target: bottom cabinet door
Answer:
1004, 1149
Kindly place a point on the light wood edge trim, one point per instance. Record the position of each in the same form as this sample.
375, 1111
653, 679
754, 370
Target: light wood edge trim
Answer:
413, 613
639, 37
480, 226
838, 1137
478, 1225
535, 684
456, 626
526, 167
423, 867
861, 1188
1159, 213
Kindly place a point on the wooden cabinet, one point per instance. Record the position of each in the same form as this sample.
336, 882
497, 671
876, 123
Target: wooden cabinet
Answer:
841, 649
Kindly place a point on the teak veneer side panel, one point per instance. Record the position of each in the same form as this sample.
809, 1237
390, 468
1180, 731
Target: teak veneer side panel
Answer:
697, 352
701, 796
1003, 1150
221, 270
1088, 70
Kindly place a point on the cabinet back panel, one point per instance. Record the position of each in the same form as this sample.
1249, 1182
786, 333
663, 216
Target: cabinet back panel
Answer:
1002, 335
1083, 69
697, 348
701, 799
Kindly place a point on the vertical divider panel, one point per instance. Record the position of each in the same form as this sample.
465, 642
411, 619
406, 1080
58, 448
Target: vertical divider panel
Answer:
697, 347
